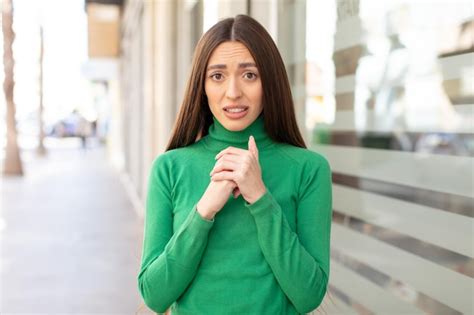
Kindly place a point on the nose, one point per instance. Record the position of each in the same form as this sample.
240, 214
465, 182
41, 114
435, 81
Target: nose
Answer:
233, 89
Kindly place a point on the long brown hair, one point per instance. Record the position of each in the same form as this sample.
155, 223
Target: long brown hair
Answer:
195, 117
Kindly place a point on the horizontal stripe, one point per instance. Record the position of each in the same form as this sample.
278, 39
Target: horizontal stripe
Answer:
455, 291
421, 222
457, 93
395, 286
369, 122
438, 255
462, 99
332, 304
428, 171
451, 68
434, 143
457, 52
346, 60
465, 109
348, 33
347, 300
336, 307
462, 33
344, 101
345, 84
370, 295
453, 89
442, 201
441, 173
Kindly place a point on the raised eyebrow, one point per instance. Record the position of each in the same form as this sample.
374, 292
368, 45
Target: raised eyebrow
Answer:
241, 65
247, 65
212, 67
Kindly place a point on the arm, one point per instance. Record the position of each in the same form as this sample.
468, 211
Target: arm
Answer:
299, 261
169, 261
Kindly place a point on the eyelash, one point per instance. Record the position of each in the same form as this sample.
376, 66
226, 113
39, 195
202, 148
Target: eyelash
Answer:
254, 75
213, 76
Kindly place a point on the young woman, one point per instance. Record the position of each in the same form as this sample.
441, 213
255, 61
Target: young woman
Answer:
238, 213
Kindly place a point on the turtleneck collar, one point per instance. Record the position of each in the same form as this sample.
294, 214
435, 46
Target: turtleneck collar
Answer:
220, 138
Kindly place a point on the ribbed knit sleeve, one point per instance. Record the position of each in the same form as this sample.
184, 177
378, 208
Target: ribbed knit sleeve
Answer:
299, 259
169, 261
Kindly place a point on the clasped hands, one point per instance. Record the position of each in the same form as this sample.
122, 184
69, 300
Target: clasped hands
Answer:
242, 167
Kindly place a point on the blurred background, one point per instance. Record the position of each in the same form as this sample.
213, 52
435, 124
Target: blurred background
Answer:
383, 89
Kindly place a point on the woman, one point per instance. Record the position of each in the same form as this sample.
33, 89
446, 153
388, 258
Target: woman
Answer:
237, 220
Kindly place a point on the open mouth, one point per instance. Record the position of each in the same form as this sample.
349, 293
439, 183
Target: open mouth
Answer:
236, 112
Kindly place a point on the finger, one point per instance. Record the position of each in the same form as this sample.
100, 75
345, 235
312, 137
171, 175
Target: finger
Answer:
239, 159
230, 157
230, 150
224, 165
236, 192
253, 147
224, 175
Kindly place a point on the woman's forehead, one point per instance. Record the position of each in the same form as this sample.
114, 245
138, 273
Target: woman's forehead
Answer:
230, 52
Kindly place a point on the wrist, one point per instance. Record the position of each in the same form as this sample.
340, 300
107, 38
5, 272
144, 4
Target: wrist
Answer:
207, 215
257, 196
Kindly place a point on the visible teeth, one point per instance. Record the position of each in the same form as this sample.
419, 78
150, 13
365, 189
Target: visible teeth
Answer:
235, 110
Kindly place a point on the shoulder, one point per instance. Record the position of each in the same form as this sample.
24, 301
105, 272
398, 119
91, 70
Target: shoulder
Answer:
305, 158
175, 157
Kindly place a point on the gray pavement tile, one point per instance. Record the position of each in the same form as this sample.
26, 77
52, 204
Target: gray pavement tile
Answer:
70, 240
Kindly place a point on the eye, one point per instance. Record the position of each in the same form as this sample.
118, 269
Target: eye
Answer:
216, 76
250, 75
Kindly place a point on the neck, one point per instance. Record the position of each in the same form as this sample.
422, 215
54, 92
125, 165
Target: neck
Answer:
220, 138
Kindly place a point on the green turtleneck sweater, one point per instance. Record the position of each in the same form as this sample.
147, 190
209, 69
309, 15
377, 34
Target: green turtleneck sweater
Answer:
269, 257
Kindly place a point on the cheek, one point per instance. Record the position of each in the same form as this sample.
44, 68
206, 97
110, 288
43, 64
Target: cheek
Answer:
212, 93
257, 94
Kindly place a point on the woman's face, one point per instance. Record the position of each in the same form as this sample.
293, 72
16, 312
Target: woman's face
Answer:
233, 86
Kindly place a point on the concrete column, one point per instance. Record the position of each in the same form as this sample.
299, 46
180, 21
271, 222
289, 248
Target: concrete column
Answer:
149, 95
189, 29
266, 13
164, 68
134, 81
230, 8
291, 42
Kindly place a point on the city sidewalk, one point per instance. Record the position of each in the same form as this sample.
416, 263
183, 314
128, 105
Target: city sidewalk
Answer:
70, 240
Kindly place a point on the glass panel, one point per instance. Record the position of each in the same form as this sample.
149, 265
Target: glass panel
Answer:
390, 103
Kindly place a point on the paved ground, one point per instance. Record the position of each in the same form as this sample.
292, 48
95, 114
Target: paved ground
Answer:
70, 240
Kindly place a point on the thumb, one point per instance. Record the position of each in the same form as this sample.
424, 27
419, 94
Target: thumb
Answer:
253, 147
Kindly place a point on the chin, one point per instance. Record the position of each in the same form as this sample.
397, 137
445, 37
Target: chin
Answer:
236, 125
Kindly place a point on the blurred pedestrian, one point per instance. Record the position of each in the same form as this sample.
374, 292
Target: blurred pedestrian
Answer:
266, 250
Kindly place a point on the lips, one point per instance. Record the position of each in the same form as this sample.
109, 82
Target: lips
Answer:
239, 112
231, 107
